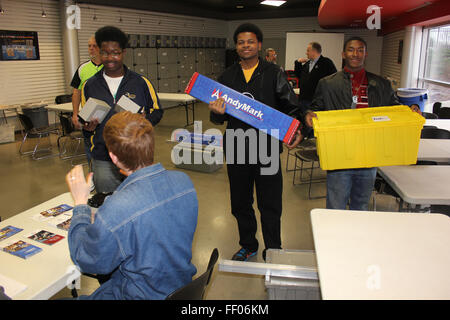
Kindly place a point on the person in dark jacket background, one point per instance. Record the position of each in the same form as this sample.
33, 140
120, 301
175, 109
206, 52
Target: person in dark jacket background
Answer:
109, 85
265, 82
310, 70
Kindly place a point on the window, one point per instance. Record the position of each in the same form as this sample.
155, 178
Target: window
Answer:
434, 73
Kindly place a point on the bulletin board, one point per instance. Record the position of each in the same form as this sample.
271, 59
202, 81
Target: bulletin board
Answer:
19, 45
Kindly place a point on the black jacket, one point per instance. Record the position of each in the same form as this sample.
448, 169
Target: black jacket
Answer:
308, 80
268, 85
335, 92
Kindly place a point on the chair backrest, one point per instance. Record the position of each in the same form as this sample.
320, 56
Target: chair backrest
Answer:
26, 122
64, 98
428, 115
66, 125
444, 113
436, 107
196, 289
434, 133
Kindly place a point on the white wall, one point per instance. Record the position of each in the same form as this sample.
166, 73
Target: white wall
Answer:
37, 80
390, 67
331, 44
42, 80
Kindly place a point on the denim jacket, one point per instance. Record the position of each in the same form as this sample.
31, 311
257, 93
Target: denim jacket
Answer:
143, 232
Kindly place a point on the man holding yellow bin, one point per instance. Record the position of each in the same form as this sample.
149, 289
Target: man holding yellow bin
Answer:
351, 88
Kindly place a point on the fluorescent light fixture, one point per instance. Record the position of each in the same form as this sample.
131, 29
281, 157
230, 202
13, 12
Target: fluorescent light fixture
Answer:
275, 3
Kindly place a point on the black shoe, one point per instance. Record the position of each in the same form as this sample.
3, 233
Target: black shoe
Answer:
243, 255
97, 199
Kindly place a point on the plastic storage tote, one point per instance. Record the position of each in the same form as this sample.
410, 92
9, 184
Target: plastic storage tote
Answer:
38, 114
285, 288
289, 274
369, 137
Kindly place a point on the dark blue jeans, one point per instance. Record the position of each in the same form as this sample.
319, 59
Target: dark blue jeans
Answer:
352, 185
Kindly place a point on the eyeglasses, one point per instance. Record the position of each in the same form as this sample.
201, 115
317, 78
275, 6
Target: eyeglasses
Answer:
105, 54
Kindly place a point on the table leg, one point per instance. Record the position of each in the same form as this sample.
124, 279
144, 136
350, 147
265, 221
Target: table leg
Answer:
186, 107
4, 117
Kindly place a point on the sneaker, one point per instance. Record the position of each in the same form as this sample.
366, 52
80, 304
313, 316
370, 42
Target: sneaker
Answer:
97, 199
243, 255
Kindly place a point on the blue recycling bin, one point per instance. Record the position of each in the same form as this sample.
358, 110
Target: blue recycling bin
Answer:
410, 96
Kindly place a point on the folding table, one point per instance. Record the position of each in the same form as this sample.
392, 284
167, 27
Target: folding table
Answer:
382, 255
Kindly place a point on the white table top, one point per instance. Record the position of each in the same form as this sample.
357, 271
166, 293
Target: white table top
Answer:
179, 97
419, 184
50, 270
434, 150
8, 107
64, 107
382, 255
440, 123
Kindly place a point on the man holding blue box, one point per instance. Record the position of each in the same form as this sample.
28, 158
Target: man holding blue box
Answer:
267, 83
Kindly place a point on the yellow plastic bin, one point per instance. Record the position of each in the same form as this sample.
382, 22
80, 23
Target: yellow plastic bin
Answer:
369, 137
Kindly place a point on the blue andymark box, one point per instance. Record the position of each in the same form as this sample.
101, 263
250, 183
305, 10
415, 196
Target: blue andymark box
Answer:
250, 111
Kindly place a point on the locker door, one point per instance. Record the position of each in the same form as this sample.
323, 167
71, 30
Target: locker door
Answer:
152, 72
128, 58
141, 69
182, 84
200, 56
140, 56
152, 56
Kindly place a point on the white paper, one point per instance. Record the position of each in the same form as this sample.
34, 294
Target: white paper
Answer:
381, 118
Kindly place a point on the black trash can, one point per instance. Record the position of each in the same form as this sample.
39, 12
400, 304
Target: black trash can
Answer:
38, 115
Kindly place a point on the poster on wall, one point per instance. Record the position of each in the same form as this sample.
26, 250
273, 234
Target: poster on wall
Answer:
19, 45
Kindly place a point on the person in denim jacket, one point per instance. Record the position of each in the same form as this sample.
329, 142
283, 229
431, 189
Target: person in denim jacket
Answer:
143, 232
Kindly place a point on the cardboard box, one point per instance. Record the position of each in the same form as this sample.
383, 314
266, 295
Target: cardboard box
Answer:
94, 109
126, 104
250, 111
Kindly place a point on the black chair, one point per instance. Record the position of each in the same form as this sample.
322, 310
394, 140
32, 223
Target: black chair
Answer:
305, 144
428, 115
444, 113
434, 133
195, 290
69, 132
382, 187
307, 155
436, 107
64, 98
31, 131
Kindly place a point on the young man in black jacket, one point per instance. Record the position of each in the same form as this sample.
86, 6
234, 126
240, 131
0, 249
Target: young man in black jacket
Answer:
351, 88
265, 82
